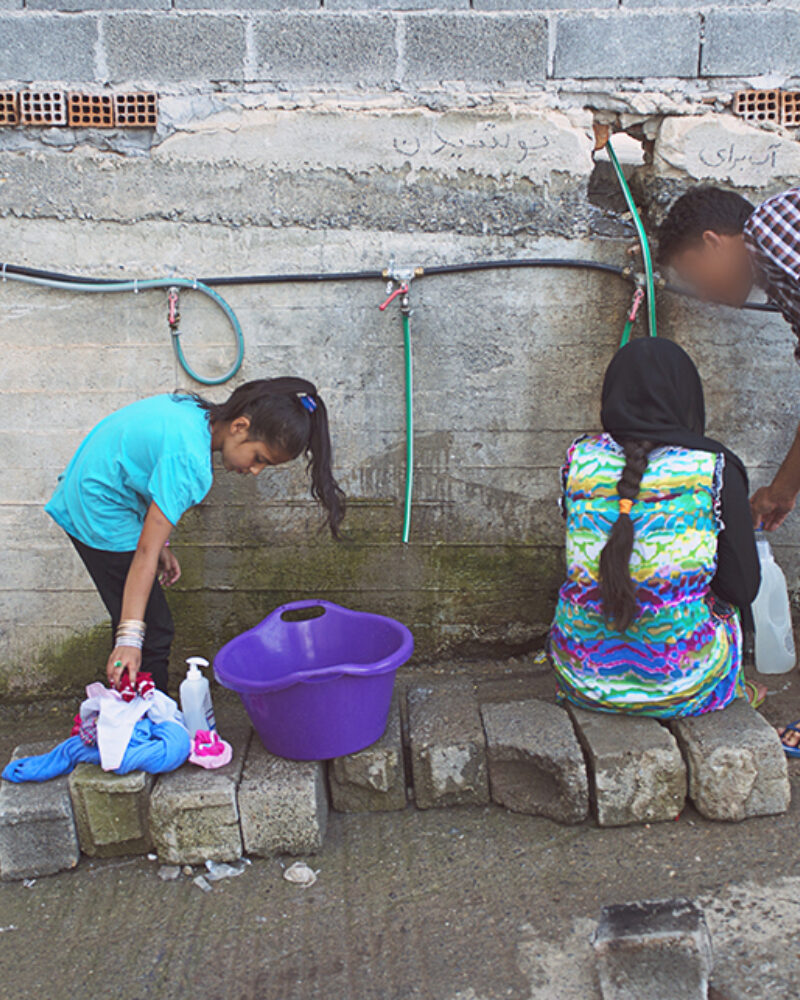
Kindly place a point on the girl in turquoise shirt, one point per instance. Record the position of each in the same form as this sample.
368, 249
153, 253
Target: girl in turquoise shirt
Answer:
135, 474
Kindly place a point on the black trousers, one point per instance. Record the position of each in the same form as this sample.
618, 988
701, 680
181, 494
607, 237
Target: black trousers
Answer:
109, 570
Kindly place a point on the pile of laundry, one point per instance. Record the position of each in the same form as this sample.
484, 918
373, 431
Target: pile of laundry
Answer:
137, 728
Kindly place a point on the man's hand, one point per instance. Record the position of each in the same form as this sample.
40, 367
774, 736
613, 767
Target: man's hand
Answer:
123, 658
770, 506
169, 569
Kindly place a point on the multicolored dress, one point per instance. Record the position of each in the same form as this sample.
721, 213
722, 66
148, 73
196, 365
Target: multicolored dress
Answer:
682, 653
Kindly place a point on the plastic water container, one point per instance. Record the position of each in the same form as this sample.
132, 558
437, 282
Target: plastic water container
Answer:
316, 679
775, 653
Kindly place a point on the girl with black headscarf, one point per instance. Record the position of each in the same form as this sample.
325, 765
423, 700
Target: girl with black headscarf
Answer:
660, 548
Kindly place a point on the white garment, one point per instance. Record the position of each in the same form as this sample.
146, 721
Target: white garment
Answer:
116, 718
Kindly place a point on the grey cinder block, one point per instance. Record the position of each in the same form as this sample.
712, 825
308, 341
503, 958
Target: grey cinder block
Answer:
627, 45
653, 950
167, 47
37, 829
374, 779
448, 746
535, 762
111, 810
283, 804
751, 41
737, 767
636, 771
194, 815
481, 48
48, 48
331, 48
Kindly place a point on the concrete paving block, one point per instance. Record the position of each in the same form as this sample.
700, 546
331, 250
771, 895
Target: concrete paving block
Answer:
737, 767
448, 746
653, 950
372, 780
341, 48
636, 772
194, 815
750, 41
624, 44
535, 761
166, 47
283, 804
476, 47
111, 810
37, 829
53, 48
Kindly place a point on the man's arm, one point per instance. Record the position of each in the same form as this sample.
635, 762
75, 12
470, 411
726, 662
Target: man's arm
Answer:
771, 504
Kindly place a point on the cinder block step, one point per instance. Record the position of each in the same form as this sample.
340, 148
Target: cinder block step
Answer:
636, 772
111, 810
372, 780
535, 762
448, 746
194, 814
737, 767
283, 804
37, 829
653, 950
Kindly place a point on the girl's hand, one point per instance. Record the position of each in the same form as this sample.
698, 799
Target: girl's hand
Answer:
169, 569
123, 658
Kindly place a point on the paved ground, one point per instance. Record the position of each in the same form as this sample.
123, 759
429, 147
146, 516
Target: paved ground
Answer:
468, 904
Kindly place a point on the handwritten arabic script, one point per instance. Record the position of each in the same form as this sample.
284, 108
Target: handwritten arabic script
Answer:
492, 140
730, 155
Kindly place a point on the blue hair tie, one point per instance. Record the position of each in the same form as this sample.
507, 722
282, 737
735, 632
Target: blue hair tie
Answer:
308, 401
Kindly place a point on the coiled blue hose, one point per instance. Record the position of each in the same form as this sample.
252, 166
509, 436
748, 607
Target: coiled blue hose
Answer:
141, 286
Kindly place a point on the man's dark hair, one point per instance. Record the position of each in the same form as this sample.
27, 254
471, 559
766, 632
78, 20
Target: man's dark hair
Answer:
701, 208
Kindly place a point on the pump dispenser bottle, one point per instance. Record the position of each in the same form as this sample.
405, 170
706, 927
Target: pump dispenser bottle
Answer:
198, 711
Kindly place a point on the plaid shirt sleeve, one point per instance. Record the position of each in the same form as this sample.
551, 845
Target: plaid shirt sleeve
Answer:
773, 232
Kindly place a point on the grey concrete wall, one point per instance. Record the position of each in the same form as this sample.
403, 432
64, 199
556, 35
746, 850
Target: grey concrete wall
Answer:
334, 140
407, 43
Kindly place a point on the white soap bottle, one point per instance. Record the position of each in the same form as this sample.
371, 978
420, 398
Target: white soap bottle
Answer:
198, 711
772, 615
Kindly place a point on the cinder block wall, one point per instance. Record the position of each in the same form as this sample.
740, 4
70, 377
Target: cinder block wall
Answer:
308, 137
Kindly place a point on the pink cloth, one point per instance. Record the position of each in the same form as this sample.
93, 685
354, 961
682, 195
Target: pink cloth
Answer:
209, 751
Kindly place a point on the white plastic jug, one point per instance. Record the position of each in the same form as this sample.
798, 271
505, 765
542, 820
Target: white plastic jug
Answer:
198, 711
772, 615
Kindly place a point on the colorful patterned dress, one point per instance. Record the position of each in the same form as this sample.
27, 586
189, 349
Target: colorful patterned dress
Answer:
679, 657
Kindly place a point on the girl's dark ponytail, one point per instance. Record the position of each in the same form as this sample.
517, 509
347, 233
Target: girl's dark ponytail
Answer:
289, 413
617, 589
323, 485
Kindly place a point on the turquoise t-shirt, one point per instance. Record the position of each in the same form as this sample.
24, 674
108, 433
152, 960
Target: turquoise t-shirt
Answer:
158, 449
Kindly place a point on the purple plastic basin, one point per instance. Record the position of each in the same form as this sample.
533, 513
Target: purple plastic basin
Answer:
316, 687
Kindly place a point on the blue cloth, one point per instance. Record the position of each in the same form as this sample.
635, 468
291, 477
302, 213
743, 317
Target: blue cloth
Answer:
157, 449
154, 747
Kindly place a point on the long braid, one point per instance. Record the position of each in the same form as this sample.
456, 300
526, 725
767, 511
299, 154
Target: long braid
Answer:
617, 589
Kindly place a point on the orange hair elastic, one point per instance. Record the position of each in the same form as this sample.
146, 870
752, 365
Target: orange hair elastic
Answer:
625, 507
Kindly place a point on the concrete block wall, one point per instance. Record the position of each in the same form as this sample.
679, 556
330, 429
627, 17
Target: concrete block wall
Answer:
296, 43
337, 138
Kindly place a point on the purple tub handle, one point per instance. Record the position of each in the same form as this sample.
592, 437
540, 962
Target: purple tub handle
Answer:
298, 606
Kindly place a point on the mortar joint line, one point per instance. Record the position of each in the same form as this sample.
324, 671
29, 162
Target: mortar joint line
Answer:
400, 48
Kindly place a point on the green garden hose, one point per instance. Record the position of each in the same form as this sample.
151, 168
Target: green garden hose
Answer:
144, 285
646, 258
409, 426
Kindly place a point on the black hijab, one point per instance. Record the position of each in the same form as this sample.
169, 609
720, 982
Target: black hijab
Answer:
652, 392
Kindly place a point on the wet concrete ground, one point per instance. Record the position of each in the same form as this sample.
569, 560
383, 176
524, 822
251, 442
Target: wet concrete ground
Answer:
460, 904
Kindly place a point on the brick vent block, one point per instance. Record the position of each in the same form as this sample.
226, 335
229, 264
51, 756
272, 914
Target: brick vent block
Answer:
90, 110
758, 105
136, 110
42, 107
9, 110
790, 108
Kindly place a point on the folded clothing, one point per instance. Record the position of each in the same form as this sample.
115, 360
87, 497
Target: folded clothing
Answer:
154, 747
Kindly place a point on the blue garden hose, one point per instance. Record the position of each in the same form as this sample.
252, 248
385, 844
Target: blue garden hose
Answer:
143, 285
